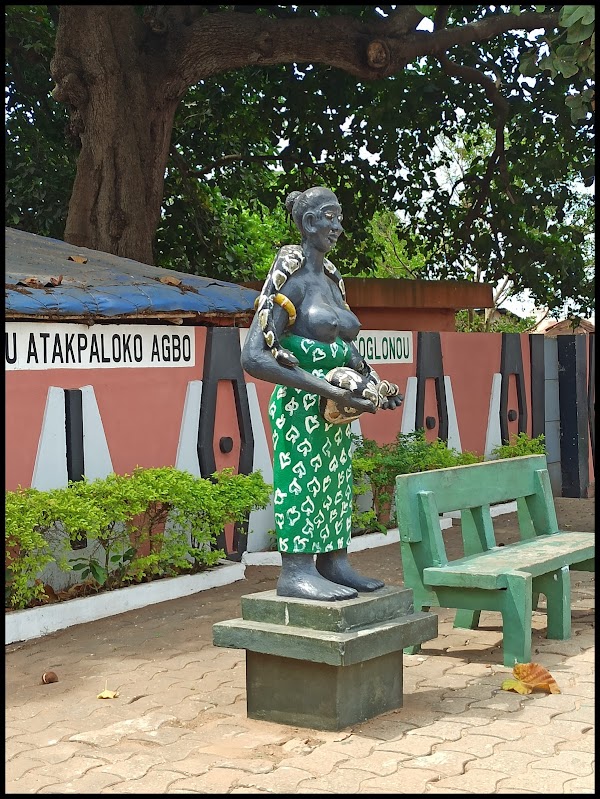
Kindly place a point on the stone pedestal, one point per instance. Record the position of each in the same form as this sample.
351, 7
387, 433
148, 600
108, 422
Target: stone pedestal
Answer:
325, 665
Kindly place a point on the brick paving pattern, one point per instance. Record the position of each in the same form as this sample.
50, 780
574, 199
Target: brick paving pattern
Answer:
179, 724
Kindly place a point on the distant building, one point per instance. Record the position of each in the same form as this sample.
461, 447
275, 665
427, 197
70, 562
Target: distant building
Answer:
552, 328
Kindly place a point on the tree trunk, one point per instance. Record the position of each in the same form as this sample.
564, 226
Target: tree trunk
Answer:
124, 122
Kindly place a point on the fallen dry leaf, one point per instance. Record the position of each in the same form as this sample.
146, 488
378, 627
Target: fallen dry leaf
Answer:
170, 281
51, 595
32, 282
516, 685
106, 694
79, 259
531, 677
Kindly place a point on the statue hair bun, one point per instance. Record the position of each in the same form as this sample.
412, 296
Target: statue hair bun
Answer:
291, 199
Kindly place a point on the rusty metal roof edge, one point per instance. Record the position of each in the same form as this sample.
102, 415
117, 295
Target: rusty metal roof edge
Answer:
106, 284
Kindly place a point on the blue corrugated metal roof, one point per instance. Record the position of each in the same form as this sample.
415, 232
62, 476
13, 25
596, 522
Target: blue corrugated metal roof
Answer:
105, 286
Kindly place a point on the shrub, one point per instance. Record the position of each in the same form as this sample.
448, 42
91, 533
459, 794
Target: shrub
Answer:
376, 466
521, 444
28, 545
151, 523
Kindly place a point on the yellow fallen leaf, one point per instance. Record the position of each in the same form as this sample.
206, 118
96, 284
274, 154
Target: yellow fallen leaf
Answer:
516, 685
106, 694
531, 677
79, 259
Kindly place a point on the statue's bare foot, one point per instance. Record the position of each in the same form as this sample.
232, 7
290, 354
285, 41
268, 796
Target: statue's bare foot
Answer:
336, 567
299, 578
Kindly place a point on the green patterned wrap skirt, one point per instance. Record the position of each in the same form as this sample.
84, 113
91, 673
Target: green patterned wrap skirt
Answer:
312, 463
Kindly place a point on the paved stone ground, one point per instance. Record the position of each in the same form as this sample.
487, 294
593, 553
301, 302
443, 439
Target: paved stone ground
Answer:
179, 724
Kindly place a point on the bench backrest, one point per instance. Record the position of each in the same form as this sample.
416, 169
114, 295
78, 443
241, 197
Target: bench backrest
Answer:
423, 496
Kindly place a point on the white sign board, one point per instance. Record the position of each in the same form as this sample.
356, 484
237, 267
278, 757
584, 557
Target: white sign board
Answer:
377, 346
37, 345
385, 346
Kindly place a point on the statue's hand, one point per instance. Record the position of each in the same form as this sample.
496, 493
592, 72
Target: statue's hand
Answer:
286, 358
391, 403
390, 396
356, 401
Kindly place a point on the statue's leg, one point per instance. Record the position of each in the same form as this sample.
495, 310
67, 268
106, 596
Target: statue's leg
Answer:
336, 567
299, 578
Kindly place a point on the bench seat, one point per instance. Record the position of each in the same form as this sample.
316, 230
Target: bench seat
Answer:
536, 556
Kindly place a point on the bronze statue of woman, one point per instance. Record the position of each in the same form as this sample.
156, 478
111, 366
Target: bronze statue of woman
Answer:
302, 340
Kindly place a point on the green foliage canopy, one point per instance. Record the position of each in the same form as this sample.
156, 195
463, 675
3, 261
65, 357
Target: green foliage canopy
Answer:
244, 137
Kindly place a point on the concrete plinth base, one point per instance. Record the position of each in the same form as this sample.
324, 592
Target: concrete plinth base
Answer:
325, 665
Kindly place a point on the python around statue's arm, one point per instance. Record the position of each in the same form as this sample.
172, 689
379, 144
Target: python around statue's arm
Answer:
263, 355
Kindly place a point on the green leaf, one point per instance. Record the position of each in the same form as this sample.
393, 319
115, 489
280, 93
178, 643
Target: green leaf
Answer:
566, 51
548, 63
99, 572
579, 32
528, 65
578, 113
566, 68
591, 63
590, 16
570, 14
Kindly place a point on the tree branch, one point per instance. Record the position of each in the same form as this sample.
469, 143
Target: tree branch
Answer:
492, 91
502, 292
228, 40
225, 160
405, 19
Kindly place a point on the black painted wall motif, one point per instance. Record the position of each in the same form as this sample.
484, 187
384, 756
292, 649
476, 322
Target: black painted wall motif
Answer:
538, 384
222, 362
430, 366
574, 398
511, 365
74, 439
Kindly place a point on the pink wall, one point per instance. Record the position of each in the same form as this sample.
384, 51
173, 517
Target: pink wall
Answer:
142, 408
470, 360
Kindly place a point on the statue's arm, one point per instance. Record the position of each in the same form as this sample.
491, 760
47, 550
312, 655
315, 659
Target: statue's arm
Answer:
357, 362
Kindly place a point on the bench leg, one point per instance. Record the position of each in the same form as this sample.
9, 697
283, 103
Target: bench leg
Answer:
467, 619
516, 619
557, 588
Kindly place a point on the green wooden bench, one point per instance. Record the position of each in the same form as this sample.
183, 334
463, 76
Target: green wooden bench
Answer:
506, 578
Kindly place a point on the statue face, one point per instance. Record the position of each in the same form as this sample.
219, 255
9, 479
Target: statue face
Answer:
323, 227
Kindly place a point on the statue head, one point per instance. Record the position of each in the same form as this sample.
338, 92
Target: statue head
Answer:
318, 216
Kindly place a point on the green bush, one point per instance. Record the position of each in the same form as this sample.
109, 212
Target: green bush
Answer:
375, 467
31, 542
519, 445
151, 523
